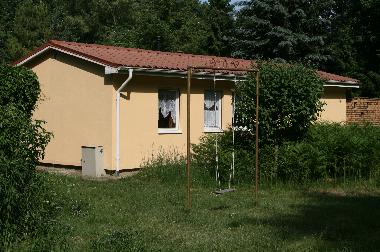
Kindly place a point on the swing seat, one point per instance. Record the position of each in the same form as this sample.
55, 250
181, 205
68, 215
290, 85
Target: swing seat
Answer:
223, 191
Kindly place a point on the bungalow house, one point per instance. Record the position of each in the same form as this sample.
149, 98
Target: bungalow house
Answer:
79, 97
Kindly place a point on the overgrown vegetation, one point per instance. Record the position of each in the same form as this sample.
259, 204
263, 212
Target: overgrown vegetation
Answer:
23, 200
328, 152
293, 146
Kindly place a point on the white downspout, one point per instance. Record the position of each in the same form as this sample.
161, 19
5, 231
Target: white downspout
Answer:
125, 83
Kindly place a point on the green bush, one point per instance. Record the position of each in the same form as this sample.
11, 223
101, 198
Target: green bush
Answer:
22, 143
204, 156
350, 150
300, 161
327, 151
23, 202
289, 101
19, 86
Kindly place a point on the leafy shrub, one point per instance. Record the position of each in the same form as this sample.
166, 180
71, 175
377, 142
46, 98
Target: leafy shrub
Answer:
22, 143
205, 156
289, 101
327, 151
23, 203
350, 150
19, 86
300, 161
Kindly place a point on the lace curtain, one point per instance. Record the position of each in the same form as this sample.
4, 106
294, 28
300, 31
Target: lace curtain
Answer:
211, 109
167, 103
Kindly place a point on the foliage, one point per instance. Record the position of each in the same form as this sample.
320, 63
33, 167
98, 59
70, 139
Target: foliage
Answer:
160, 25
19, 86
289, 101
354, 40
340, 36
350, 150
221, 21
327, 151
164, 166
288, 30
204, 156
23, 202
30, 28
22, 144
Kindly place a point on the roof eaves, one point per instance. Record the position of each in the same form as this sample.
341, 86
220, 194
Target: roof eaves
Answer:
180, 73
345, 84
63, 49
82, 55
30, 55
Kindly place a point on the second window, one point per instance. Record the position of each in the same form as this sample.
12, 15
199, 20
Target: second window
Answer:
212, 110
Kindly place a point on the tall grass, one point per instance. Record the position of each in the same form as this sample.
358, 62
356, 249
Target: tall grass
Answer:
328, 152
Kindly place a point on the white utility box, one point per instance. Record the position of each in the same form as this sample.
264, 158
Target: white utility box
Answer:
92, 161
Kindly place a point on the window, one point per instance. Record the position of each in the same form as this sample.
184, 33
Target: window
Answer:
168, 111
212, 111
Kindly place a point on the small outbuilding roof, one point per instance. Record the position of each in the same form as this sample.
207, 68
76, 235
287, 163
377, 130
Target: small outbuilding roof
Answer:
121, 57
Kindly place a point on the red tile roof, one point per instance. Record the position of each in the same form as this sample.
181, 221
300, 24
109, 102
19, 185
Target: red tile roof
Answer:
131, 57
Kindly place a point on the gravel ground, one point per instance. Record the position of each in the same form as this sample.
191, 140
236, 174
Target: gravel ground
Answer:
75, 172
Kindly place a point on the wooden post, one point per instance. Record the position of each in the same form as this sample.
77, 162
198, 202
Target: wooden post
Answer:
257, 138
188, 153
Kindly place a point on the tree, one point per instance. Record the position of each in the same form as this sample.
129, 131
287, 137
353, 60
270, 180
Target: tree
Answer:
354, 41
172, 26
7, 13
287, 30
220, 19
19, 86
289, 101
30, 28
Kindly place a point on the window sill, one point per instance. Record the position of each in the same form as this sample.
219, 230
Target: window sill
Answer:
169, 131
213, 130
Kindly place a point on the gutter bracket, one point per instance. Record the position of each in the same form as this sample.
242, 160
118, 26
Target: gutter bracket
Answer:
110, 70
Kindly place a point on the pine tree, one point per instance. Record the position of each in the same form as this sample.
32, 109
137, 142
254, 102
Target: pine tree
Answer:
221, 22
354, 42
288, 30
7, 13
30, 28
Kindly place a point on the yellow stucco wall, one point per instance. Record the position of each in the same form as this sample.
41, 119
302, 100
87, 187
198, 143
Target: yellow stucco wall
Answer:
78, 103
139, 136
334, 109
77, 106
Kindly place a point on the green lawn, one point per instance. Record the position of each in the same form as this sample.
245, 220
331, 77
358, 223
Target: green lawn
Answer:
144, 213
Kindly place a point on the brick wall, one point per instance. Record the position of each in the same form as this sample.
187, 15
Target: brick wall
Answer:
361, 110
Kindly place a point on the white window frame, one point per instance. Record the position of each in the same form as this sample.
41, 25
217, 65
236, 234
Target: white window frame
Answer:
175, 130
218, 128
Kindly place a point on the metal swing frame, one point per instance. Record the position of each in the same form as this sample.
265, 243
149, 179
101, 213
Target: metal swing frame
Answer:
190, 71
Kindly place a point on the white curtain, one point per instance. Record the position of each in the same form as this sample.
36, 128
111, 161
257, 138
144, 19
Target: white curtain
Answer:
211, 109
167, 103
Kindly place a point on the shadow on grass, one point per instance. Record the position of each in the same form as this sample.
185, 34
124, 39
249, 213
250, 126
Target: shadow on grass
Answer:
342, 222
